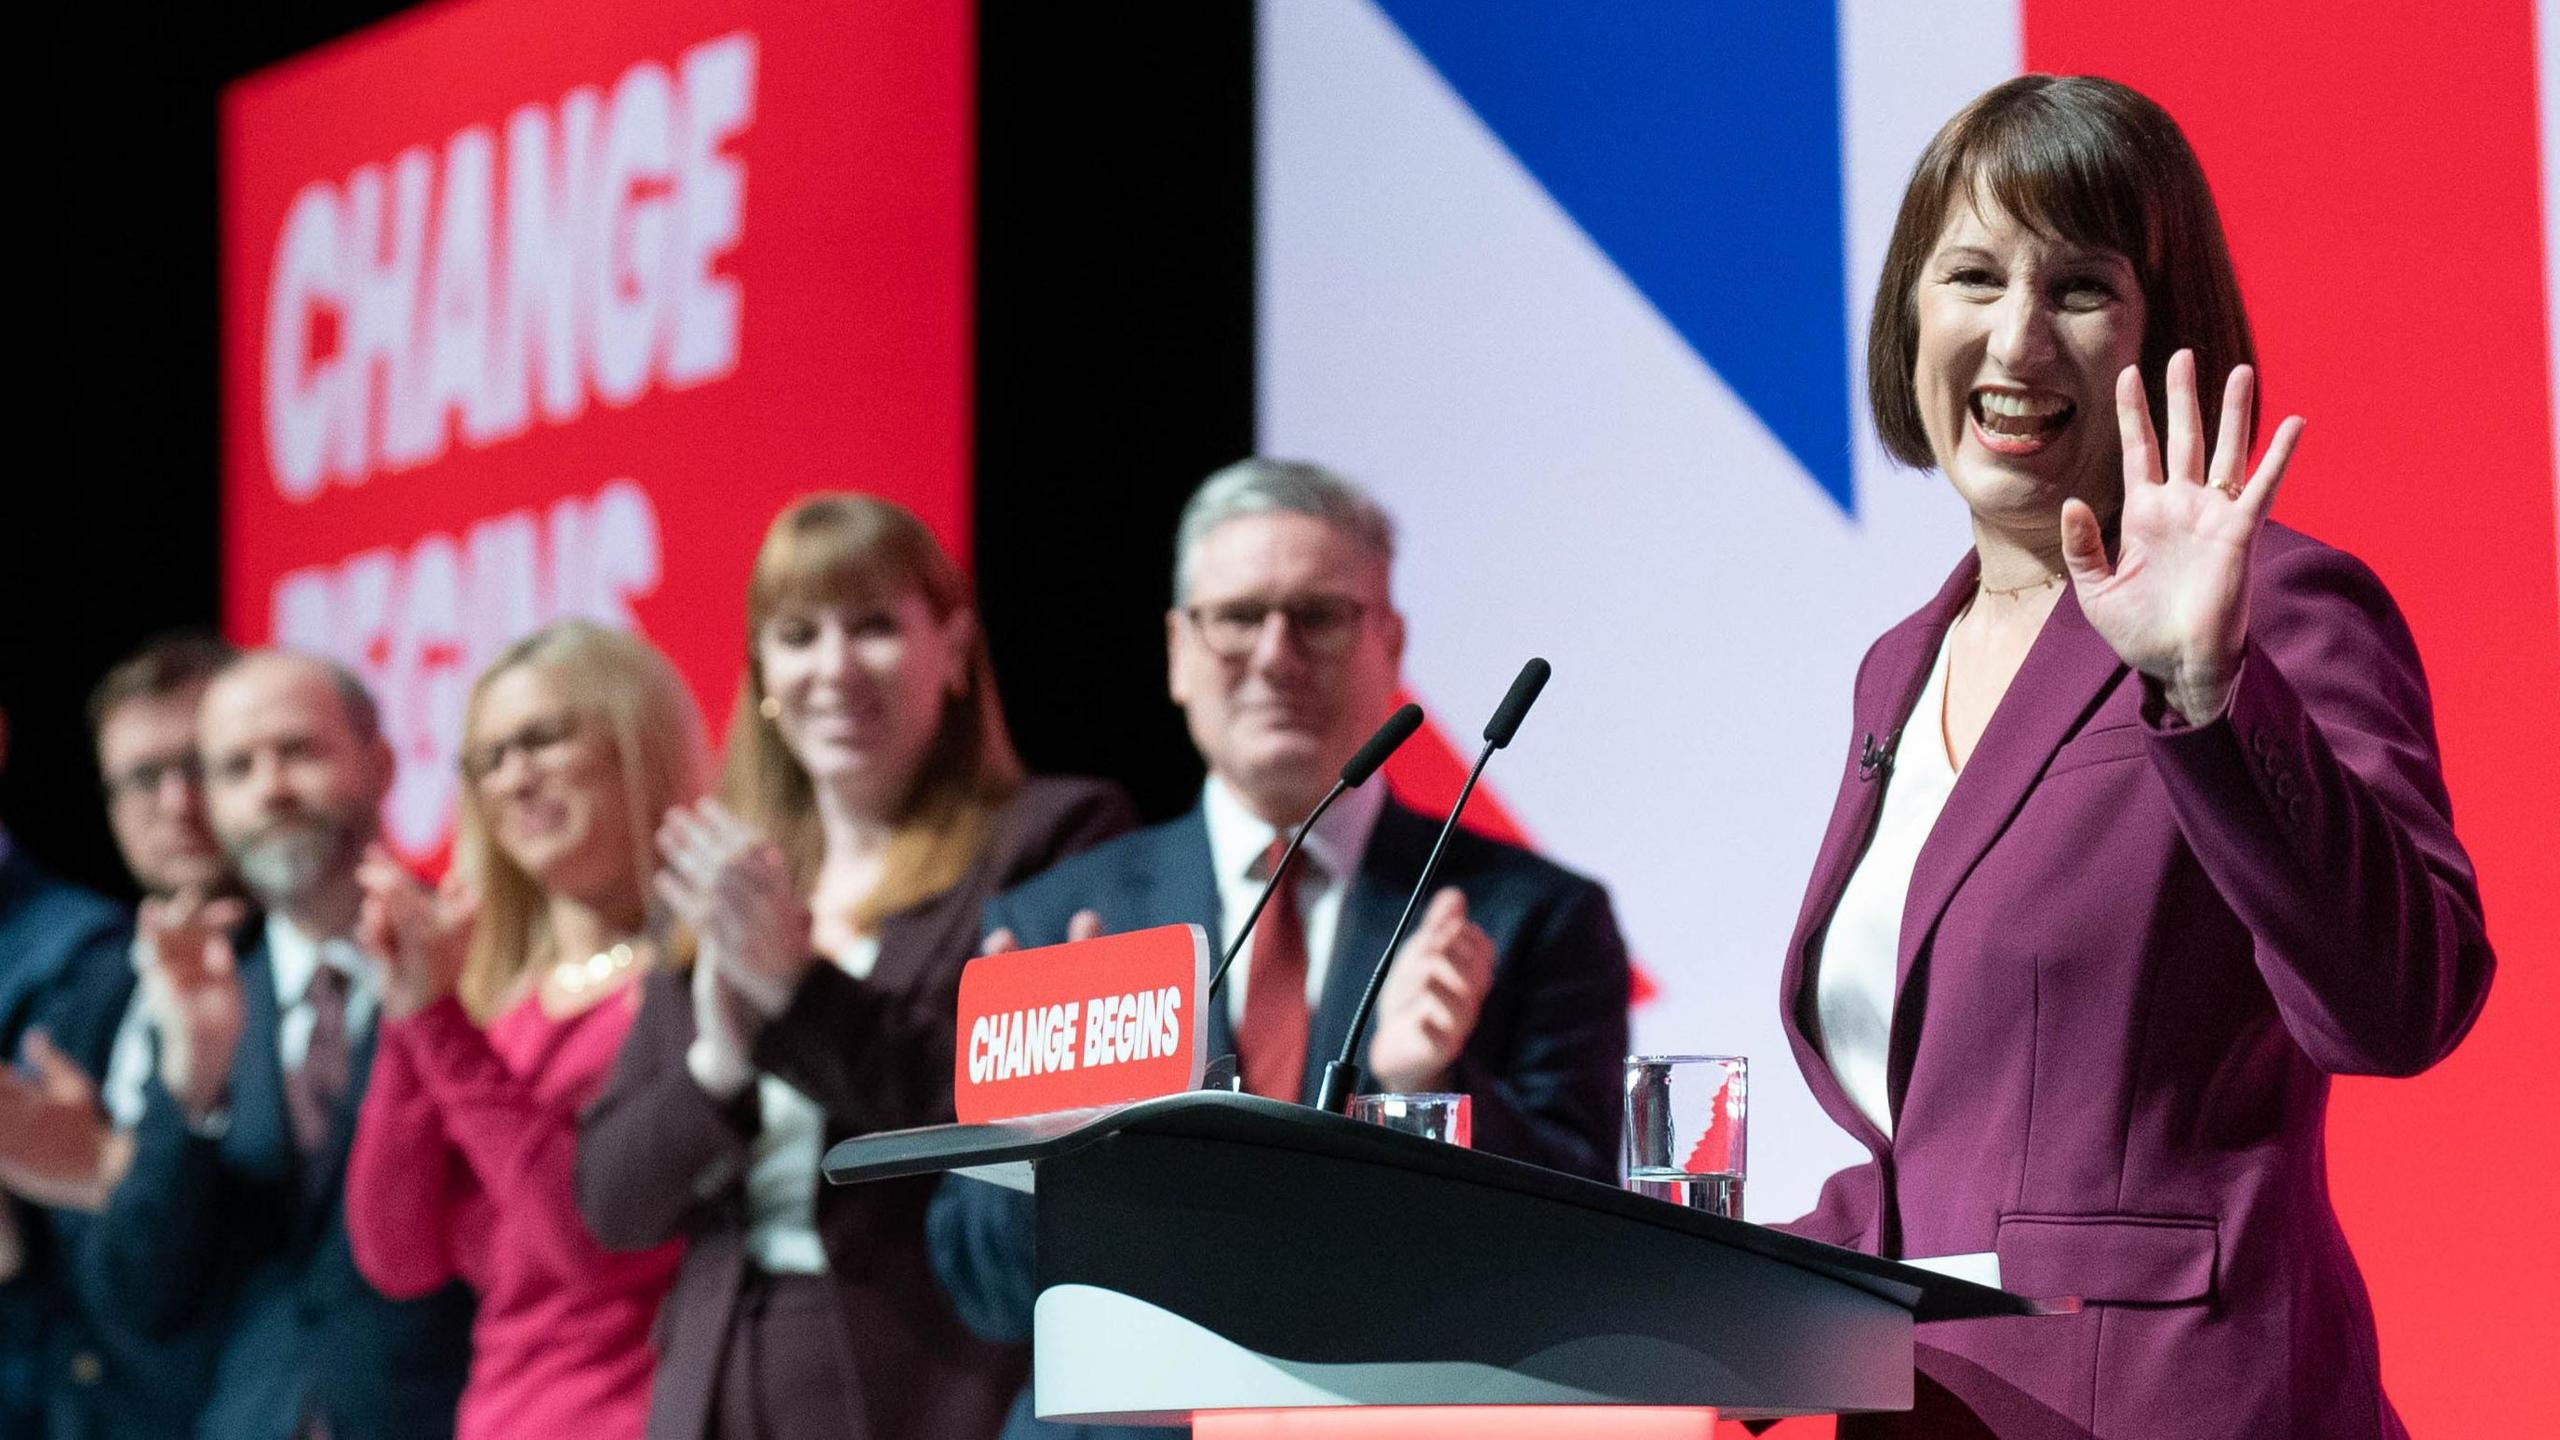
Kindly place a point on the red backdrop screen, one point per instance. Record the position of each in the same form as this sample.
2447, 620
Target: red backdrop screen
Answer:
534, 310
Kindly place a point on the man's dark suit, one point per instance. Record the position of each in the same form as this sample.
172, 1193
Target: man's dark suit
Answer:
1543, 1063
107, 1381
52, 934
239, 1234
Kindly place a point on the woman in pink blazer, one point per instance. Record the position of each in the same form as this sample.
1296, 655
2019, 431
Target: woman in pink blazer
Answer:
2141, 834
504, 1002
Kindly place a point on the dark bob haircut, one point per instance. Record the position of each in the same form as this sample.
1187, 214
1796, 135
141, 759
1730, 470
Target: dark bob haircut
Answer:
2084, 160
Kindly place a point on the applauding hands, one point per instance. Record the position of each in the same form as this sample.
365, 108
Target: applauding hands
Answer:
56, 1147
1433, 993
2175, 603
734, 888
191, 983
417, 938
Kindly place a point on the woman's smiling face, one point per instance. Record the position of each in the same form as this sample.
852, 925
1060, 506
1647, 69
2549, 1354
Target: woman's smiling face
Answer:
2021, 337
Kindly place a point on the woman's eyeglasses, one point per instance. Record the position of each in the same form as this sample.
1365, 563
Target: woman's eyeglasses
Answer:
538, 739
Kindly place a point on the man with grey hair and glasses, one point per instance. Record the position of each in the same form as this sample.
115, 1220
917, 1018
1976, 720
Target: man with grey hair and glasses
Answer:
1284, 650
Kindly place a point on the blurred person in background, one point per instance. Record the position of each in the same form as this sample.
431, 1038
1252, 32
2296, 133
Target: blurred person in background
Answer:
504, 998
61, 1143
231, 1213
52, 933
873, 801
1284, 649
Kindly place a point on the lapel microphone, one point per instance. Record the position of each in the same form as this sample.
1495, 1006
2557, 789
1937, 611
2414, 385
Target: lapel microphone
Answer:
1877, 760
1342, 1074
1356, 771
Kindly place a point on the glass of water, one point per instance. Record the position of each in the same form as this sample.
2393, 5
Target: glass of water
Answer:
1447, 1118
1685, 1130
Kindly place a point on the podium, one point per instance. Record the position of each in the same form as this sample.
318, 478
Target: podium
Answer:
1221, 1252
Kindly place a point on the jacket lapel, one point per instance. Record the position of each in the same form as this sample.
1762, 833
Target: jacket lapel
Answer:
2066, 672
1894, 675
261, 1128
1397, 847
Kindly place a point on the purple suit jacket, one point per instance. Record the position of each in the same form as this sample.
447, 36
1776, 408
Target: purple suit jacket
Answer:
658, 1158
2132, 956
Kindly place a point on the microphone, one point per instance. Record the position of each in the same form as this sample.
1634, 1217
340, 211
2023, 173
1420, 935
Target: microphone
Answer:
1364, 762
1874, 759
1342, 1074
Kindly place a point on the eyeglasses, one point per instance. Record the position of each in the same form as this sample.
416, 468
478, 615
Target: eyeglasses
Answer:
1323, 625
146, 780
539, 740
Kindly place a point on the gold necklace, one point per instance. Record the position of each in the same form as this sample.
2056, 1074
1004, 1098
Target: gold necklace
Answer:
2011, 592
577, 977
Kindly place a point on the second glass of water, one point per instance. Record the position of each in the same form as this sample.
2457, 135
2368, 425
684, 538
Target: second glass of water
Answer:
1686, 1131
1445, 1117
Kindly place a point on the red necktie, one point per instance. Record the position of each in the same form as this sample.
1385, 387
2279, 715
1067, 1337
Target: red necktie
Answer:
1272, 1041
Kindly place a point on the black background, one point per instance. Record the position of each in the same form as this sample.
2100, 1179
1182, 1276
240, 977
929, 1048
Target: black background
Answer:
1114, 367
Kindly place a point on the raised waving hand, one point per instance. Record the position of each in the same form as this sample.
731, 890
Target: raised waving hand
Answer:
2174, 604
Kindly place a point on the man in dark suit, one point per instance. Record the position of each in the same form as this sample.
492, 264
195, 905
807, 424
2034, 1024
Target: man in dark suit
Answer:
50, 929
230, 1214
1284, 649
60, 1146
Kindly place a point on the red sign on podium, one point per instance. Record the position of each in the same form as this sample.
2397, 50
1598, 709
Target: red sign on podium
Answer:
1080, 1025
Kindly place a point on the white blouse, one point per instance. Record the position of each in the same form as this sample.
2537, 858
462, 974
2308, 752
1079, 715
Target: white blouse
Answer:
782, 1180
1854, 973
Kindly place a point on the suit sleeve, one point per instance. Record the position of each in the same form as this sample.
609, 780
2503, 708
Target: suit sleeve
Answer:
521, 1150
2317, 807
655, 1147
980, 1239
153, 1253
980, 1236
83, 1010
401, 1205
1553, 1100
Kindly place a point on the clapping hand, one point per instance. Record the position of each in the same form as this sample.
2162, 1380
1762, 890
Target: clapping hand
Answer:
56, 1147
416, 938
733, 886
2175, 603
1434, 990
1081, 926
191, 983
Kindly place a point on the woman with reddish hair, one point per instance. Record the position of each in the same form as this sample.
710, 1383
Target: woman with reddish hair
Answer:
871, 804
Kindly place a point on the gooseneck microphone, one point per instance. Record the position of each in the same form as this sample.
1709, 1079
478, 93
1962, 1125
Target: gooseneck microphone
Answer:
1342, 1074
1356, 771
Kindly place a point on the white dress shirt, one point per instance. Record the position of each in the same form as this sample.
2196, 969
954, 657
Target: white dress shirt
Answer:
782, 1176
292, 958
1854, 973
129, 1059
1237, 840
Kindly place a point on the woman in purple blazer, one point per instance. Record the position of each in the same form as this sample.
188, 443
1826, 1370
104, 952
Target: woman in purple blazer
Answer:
2141, 834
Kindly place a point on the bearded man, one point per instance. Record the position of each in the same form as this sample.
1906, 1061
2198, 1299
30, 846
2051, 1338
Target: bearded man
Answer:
231, 1210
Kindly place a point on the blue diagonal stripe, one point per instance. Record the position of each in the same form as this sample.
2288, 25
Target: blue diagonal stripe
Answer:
1698, 143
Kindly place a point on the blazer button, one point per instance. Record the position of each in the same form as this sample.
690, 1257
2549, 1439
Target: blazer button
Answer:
87, 1368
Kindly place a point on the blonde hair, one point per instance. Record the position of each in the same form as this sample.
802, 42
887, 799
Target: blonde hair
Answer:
850, 550
620, 684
